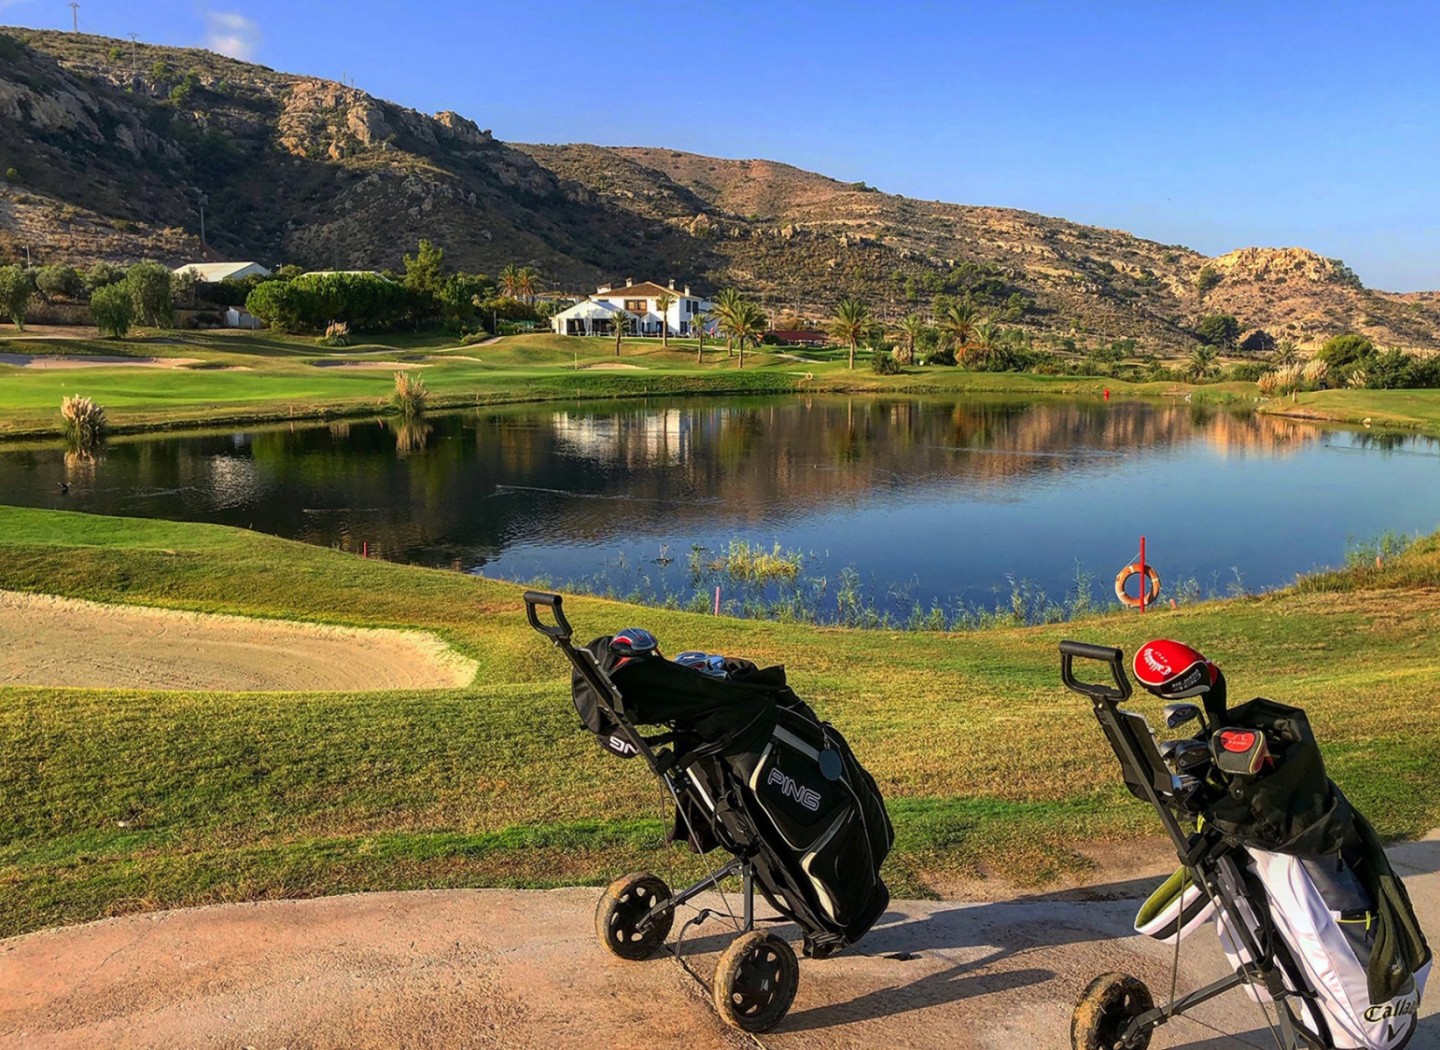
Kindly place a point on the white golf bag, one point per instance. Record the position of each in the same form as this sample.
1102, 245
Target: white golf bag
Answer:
1326, 924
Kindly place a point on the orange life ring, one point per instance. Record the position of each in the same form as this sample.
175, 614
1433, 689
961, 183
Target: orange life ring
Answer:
1152, 581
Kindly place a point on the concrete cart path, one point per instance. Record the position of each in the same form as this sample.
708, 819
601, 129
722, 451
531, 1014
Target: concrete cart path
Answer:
500, 968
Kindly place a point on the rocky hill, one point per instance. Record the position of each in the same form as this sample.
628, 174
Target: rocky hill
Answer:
111, 154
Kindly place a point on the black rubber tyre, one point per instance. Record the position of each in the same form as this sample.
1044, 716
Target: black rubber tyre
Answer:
624, 903
755, 981
1111, 1001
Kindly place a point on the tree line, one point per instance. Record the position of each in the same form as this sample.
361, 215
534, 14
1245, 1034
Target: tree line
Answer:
427, 293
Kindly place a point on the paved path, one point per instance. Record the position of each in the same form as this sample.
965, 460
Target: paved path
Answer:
497, 968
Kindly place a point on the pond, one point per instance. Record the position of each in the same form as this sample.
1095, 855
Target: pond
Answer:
958, 502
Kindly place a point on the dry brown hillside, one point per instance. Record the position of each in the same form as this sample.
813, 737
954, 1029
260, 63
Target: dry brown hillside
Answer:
110, 163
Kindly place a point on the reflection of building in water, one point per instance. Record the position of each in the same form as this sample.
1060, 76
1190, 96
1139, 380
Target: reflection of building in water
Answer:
1270, 436
660, 438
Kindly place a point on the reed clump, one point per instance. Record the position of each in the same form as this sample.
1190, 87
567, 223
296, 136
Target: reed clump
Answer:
83, 421
410, 394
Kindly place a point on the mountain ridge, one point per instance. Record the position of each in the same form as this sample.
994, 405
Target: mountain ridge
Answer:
111, 163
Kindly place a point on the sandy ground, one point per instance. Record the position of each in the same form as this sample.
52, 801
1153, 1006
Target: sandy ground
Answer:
52, 641
613, 368
57, 361
388, 365
503, 968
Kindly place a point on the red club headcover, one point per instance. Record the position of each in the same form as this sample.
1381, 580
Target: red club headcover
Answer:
1174, 671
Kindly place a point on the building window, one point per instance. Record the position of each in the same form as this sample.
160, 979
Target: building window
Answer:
635, 306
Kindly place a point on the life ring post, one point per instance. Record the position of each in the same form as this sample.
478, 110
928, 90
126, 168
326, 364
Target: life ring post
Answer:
1143, 588
1149, 590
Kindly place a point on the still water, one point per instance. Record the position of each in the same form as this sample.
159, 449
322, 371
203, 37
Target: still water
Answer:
929, 500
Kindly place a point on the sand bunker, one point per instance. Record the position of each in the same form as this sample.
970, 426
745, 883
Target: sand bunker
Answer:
45, 640
52, 361
611, 367
389, 366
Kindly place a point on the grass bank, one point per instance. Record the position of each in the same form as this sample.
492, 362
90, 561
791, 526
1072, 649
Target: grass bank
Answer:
117, 800
1394, 409
239, 378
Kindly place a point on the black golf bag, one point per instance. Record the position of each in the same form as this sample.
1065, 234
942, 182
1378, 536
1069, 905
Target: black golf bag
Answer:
1308, 910
750, 770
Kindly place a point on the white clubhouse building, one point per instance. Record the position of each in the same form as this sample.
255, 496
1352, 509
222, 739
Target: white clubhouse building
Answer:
637, 306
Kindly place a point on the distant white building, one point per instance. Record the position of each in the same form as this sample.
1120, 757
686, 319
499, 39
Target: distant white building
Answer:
238, 317
212, 273
598, 314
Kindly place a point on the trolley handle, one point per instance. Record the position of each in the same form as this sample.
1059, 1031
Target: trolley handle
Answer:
558, 632
1096, 691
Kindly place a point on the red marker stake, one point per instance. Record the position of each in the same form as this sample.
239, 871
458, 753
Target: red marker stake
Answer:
1144, 582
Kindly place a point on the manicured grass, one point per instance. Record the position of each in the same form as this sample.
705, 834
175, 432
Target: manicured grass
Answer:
114, 801
1410, 409
254, 377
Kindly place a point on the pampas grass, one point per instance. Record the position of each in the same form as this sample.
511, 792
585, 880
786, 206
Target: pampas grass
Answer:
410, 394
84, 421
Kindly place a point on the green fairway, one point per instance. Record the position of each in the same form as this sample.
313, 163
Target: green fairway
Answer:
1408, 409
113, 801
236, 378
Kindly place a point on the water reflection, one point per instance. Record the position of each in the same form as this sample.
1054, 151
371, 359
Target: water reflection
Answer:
904, 488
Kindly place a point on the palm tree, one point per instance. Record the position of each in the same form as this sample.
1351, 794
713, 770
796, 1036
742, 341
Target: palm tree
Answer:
726, 307
1286, 354
985, 344
749, 323
1200, 363
663, 302
621, 320
851, 324
527, 282
510, 281
957, 324
911, 327
697, 325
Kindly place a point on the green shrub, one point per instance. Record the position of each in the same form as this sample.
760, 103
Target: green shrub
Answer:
1218, 330
12, 176
150, 289
112, 308
100, 274
1206, 279
1249, 372
17, 288
59, 281
1345, 351
883, 363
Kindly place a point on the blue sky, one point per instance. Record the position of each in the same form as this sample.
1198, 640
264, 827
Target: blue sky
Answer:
1217, 125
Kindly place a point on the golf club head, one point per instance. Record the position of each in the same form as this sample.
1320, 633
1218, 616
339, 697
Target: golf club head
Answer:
1187, 790
1180, 714
1190, 756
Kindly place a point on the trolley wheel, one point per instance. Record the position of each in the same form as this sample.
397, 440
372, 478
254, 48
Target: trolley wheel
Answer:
623, 905
1101, 1016
755, 981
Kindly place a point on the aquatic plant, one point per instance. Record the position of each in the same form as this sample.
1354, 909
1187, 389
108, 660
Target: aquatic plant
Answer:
83, 421
410, 394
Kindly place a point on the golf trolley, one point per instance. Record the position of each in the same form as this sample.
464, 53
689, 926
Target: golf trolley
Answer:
1117, 1011
750, 770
